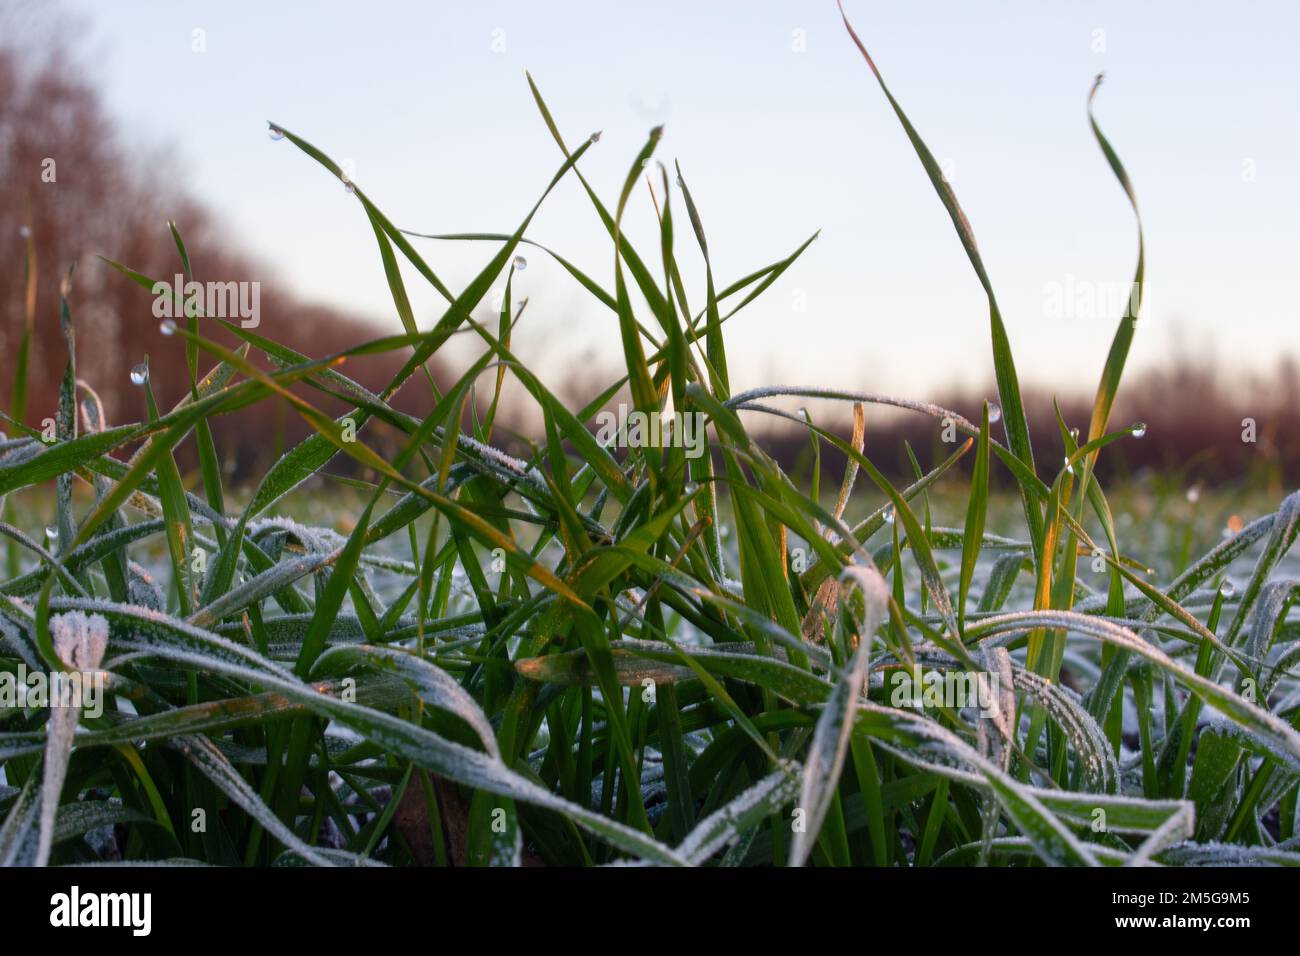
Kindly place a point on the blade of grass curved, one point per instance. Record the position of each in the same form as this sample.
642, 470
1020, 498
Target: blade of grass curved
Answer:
923, 742
1280, 735
212, 763
725, 826
1017, 426
830, 744
430, 750
434, 685
1114, 368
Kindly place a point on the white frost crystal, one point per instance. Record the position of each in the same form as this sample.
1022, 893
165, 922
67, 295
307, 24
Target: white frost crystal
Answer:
80, 640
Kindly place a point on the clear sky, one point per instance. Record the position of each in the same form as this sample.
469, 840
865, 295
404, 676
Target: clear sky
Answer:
777, 138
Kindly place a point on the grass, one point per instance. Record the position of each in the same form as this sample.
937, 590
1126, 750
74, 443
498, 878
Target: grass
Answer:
582, 657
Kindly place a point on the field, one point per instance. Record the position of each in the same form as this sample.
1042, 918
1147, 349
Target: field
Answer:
613, 649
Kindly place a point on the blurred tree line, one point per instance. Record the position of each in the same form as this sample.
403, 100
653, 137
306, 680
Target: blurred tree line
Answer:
74, 192
69, 184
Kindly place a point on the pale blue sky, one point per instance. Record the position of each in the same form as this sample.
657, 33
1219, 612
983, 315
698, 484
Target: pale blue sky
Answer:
775, 144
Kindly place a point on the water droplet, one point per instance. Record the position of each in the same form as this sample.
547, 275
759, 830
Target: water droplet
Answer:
681, 184
1194, 494
995, 412
1139, 429
889, 516
690, 489
140, 374
347, 184
275, 134
25, 231
1227, 588
520, 263
1074, 433
167, 327
595, 137
52, 533
1068, 467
